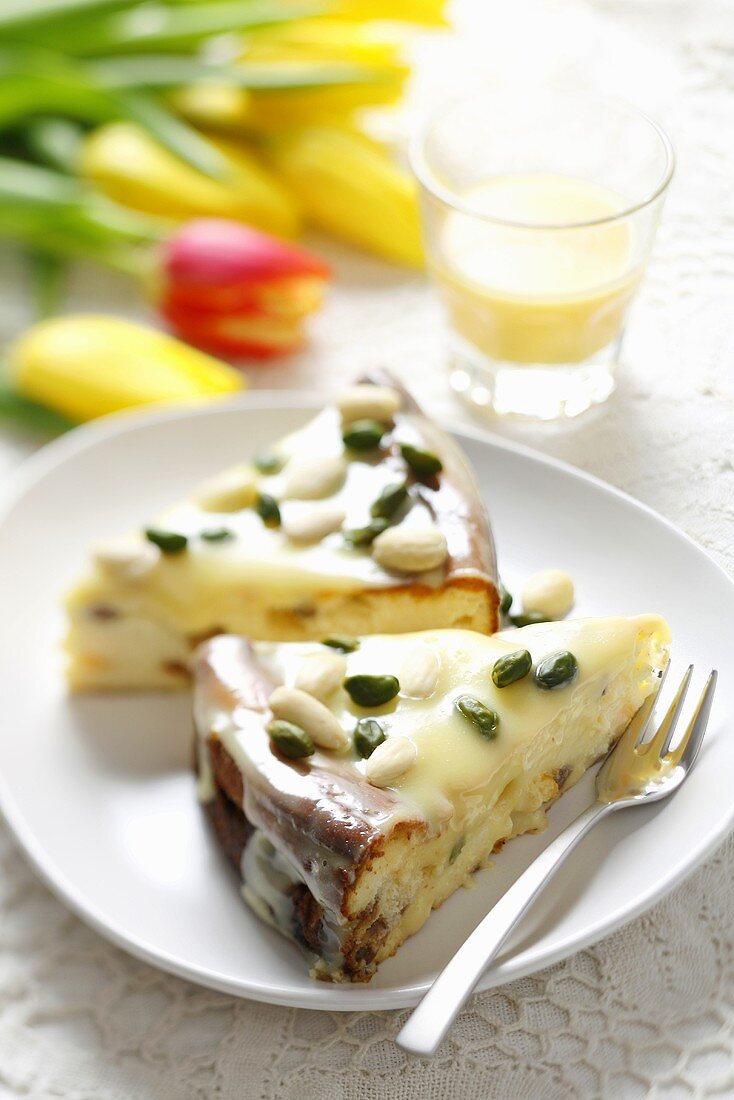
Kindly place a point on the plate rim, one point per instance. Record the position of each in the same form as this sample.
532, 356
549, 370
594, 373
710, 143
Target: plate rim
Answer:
344, 998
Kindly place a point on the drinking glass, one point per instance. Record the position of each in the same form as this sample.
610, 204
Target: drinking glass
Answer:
539, 211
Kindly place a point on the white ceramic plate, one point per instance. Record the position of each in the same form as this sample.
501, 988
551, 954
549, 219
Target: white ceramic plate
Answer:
98, 790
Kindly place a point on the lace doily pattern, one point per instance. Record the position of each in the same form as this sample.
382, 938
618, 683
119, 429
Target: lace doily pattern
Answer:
649, 1012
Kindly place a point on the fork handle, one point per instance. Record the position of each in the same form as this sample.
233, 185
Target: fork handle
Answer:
429, 1022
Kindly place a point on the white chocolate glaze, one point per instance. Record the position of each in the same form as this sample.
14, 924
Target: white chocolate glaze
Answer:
454, 762
197, 587
269, 557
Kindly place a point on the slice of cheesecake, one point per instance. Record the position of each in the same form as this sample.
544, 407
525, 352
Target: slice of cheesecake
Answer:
354, 792
367, 520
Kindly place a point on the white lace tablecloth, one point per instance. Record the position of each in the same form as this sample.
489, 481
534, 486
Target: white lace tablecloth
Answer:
647, 1012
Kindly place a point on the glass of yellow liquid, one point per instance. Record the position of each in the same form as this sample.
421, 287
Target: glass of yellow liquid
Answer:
540, 209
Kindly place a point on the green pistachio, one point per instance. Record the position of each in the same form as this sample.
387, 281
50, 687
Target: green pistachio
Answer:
505, 599
368, 734
363, 435
268, 510
363, 536
217, 534
457, 849
389, 500
556, 670
512, 667
371, 691
342, 642
169, 542
485, 720
290, 739
423, 463
528, 618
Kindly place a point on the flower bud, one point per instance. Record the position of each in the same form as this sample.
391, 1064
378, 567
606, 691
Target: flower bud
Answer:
236, 290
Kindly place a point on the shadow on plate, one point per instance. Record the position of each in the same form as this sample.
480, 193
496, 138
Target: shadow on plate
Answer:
140, 735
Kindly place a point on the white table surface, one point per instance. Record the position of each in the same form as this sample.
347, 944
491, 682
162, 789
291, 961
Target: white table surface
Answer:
647, 1012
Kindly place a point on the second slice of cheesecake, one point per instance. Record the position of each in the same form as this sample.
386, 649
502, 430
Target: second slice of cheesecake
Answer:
367, 520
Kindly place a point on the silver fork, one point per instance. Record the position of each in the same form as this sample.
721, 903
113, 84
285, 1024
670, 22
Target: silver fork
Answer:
634, 772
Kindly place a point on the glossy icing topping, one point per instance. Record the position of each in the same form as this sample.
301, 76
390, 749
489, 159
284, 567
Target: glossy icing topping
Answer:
325, 808
320, 813
265, 558
453, 760
279, 562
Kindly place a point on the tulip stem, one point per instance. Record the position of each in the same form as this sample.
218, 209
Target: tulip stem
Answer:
47, 272
53, 213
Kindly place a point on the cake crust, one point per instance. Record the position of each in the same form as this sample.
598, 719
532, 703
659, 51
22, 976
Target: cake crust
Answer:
361, 946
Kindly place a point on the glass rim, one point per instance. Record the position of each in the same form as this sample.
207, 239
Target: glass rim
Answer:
427, 178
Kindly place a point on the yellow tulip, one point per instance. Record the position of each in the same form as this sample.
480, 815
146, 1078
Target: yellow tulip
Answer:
215, 107
133, 169
279, 109
302, 42
426, 12
232, 110
325, 39
87, 365
348, 186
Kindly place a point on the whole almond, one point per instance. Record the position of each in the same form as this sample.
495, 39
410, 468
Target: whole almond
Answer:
314, 478
548, 593
409, 548
320, 674
230, 491
366, 402
305, 711
390, 760
126, 559
311, 522
419, 673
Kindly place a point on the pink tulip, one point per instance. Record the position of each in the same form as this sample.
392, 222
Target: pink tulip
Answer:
237, 291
